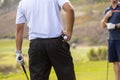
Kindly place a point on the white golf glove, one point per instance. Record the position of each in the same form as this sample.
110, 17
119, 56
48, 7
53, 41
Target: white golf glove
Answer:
110, 26
19, 57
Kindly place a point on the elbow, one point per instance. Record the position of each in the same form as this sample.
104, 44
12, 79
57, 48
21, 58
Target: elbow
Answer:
103, 24
19, 29
70, 9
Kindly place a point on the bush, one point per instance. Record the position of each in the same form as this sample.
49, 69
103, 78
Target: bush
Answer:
92, 55
6, 69
97, 54
102, 52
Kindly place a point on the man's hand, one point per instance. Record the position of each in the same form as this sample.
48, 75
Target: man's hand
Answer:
110, 26
19, 57
70, 17
66, 36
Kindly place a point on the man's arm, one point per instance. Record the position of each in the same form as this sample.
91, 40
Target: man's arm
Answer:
19, 36
67, 7
19, 39
105, 19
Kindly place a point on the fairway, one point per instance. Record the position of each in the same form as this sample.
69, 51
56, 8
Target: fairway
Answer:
84, 69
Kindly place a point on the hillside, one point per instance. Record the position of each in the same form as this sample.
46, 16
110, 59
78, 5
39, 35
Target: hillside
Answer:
87, 30
7, 25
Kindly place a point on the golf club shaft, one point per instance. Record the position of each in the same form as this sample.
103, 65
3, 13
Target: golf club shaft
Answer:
25, 72
107, 70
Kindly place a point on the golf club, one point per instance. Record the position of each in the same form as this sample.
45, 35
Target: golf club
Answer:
107, 70
22, 65
24, 71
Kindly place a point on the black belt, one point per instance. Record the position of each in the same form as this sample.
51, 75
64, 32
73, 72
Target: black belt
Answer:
60, 37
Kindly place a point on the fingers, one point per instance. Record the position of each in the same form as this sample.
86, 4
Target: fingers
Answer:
21, 62
19, 59
66, 36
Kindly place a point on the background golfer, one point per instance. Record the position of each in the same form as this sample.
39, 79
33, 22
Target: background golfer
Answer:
111, 20
47, 47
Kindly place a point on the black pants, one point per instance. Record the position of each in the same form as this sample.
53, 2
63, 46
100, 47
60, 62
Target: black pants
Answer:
45, 53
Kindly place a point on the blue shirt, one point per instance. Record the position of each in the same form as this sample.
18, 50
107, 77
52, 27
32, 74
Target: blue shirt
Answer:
114, 34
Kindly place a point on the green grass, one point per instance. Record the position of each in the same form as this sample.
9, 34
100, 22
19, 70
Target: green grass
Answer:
84, 69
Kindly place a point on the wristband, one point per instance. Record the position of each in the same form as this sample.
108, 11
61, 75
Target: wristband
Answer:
18, 51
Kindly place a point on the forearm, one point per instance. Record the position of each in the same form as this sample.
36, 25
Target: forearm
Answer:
19, 37
104, 21
70, 21
19, 40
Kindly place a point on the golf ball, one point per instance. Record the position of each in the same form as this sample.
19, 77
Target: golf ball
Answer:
65, 37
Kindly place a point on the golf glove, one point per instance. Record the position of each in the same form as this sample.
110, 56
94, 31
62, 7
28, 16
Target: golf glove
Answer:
19, 57
110, 26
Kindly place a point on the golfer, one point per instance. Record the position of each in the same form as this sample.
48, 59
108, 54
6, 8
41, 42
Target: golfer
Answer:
48, 41
111, 21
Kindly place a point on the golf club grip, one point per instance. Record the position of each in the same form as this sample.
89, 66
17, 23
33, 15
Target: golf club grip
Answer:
25, 72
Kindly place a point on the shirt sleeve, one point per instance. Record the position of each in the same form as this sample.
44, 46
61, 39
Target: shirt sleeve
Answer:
62, 2
20, 17
105, 12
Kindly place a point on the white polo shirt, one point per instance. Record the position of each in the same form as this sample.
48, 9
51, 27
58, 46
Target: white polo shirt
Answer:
42, 17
